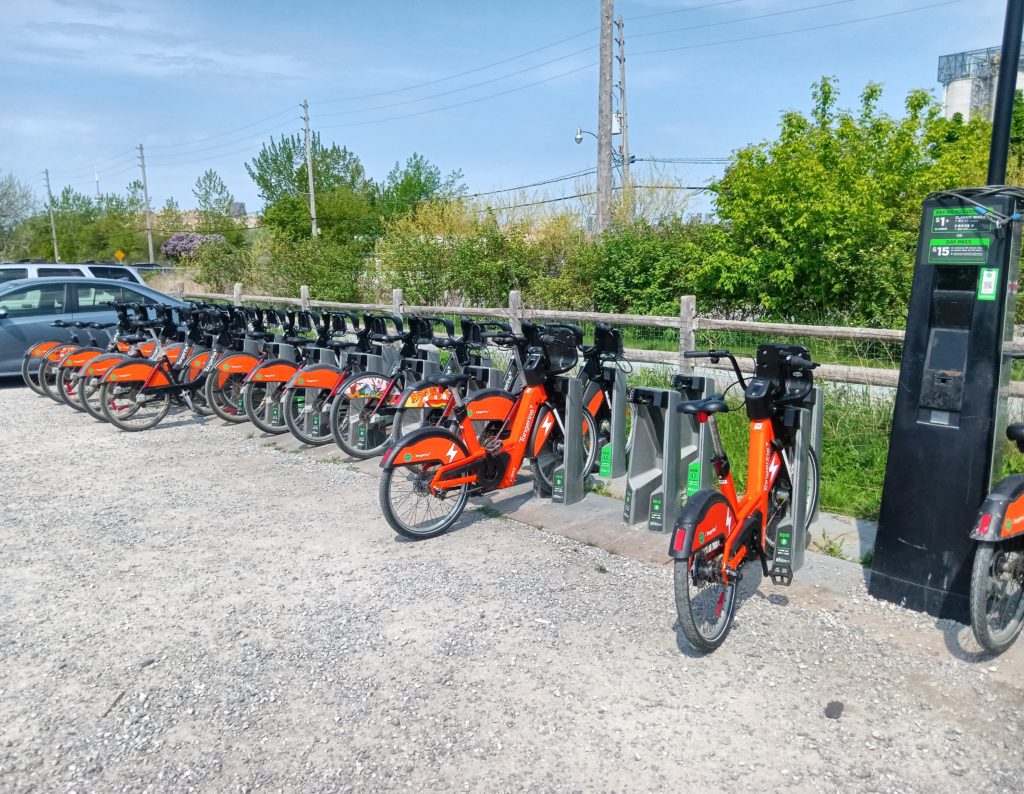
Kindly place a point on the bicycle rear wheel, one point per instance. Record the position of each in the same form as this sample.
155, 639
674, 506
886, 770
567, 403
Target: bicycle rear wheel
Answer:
68, 383
48, 372
997, 594
360, 424
127, 406
705, 604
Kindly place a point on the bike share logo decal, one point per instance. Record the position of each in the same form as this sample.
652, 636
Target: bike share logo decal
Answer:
771, 464
528, 425
451, 453
259, 376
408, 456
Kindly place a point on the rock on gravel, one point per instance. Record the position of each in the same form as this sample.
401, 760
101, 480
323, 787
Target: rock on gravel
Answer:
190, 609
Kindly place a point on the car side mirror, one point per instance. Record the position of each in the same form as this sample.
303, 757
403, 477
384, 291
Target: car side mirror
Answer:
3, 314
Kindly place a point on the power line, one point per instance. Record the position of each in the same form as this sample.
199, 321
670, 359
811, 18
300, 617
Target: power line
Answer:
742, 19
801, 30
248, 137
458, 90
221, 134
461, 104
697, 188
552, 180
683, 10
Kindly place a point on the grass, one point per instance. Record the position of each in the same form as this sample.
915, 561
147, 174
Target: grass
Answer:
487, 511
867, 558
831, 547
599, 487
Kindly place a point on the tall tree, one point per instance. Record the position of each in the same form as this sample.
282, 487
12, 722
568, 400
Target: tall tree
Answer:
16, 204
213, 200
280, 168
417, 181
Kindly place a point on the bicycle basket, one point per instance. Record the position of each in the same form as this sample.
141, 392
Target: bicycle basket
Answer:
560, 349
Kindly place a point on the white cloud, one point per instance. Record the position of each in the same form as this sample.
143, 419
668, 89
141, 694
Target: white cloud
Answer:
106, 37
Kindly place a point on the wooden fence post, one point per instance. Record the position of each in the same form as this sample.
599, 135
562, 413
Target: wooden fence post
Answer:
179, 289
687, 324
304, 297
398, 301
515, 310
237, 294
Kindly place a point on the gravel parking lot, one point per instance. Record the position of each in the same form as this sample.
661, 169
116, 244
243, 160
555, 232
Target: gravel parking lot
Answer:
191, 609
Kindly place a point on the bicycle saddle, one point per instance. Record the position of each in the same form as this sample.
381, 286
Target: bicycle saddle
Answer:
1015, 432
339, 344
715, 404
447, 381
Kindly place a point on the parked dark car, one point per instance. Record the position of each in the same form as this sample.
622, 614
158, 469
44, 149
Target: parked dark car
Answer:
28, 306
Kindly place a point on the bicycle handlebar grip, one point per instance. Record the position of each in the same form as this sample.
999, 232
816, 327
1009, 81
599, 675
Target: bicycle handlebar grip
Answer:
706, 354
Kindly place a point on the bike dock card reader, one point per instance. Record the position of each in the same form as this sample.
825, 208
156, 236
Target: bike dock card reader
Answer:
664, 447
951, 400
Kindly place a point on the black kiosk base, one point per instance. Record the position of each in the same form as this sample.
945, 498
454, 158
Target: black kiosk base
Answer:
950, 406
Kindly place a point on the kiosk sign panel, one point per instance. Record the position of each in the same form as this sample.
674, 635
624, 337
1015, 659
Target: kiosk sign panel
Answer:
950, 405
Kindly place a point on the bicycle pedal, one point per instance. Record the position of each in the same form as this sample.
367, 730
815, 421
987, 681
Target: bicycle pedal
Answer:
781, 575
733, 576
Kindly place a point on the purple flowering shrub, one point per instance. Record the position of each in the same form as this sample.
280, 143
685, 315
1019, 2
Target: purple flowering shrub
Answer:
184, 245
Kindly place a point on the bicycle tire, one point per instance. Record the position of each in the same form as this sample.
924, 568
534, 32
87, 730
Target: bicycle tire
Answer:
119, 419
255, 407
345, 436
225, 398
67, 387
90, 397
987, 557
48, 370
292, 414
433, 529
691, 613
553, 451
30, 375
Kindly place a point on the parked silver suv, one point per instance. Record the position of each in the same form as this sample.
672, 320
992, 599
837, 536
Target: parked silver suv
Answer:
10, 271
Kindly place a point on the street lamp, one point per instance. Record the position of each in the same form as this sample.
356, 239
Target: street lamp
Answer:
579, 135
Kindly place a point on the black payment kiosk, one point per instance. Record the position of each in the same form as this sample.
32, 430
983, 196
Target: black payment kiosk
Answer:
950, 408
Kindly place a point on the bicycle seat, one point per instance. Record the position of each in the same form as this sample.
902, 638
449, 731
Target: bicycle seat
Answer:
1015, 432
259, 336
448, 381
101, 326
339, 344
60, 324
715, 404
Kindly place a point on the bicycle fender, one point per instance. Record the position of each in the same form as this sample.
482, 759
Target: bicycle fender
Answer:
276, 370
136, 372
1004, 508
425, 445
59, 352
490, 405
237, 362
541, 431
423, 395
593, 399
40, 349
195, 365
315, 376
706, 516
102, 364
79, 358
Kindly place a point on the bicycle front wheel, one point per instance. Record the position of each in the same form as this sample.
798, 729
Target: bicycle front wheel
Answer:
307, 414
412, 509
704, 602
127, 406
224, 395
362, 416
997, 594
68, 383
552, 454
30, 373
262, 404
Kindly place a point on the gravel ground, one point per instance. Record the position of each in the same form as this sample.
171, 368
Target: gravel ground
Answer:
189, 609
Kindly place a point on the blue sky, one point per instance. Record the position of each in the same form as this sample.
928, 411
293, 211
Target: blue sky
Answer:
202, 83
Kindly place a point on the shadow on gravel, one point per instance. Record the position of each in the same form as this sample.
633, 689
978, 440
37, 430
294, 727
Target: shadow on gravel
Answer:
749, 588
466, 520
12, 382
960, 642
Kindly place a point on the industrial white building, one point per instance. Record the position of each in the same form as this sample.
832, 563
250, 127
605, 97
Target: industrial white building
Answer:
969, 82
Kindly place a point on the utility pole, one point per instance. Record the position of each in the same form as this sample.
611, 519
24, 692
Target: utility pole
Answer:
309, 169
53, 223
604, 119
96, 171
1006, 86
145, 196
623, 115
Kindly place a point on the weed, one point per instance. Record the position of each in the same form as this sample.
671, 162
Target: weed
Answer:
867, 558
599, 487
831, 547
489, 512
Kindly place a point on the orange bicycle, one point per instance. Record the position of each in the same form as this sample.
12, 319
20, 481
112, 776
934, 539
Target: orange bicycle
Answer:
431, 472
718, 532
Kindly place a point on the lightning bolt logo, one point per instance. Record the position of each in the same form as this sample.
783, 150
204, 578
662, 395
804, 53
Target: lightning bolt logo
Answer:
728, 521
546, 424
451, 453
773, 467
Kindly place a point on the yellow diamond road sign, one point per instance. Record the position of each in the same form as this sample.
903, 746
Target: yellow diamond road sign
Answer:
119, 255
